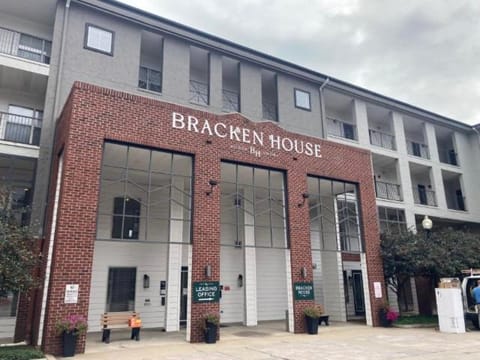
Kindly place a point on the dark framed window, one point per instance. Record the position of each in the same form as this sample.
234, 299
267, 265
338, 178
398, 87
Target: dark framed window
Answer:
98, 39
144, 195
392, 220
126, 218
121, 289
302, 99
334, 215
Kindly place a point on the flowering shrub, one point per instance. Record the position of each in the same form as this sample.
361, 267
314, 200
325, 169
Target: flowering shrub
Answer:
391, 315
75, 324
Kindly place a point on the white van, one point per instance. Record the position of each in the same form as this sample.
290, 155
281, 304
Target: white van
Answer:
468, 283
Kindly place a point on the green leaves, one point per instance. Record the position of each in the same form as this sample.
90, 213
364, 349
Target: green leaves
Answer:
442, 253
19, 250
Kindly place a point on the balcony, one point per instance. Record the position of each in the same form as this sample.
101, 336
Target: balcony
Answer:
341, 129
198, 92
25, 46
269, 110
424, 197
230, 101
417, 149
382, 139
150, 79
20, 129
388, 191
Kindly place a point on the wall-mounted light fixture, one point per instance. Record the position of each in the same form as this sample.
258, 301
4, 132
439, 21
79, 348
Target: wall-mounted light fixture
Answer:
212, 183
208, 271
146, 281
303, 272
305, 197
237, 200
314, 266
240, 280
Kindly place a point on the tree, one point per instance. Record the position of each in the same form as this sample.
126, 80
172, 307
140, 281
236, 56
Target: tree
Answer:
19, 253
441, 253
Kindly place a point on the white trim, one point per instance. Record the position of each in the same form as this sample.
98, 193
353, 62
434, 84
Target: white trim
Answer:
50, 250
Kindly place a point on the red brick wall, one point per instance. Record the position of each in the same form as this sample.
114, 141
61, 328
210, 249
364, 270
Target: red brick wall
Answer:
98, 114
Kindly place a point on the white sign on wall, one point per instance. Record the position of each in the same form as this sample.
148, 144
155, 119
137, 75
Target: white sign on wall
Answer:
71, 294
378, 289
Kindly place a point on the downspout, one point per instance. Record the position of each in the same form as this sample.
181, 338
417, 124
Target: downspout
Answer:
322, 106
48, 265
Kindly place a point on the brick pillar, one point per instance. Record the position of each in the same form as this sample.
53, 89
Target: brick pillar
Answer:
206, 234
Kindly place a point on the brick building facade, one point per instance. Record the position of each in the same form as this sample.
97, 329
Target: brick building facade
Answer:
93, 115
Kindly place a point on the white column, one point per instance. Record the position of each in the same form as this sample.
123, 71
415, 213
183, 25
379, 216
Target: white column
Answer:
250, 283
366, 289
172, 321
361, 118
189, 296
435, 174
403, 167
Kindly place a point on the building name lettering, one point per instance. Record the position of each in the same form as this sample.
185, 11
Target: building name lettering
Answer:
244, 135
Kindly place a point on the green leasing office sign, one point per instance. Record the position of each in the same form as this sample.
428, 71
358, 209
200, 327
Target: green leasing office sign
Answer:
303, 290
206, 291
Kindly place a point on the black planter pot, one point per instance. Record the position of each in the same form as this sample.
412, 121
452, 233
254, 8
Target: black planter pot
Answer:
211, 333
69, 343
312, 325
382, 314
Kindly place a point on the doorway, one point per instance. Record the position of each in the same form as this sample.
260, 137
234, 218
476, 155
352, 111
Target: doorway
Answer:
358, 298
183, 296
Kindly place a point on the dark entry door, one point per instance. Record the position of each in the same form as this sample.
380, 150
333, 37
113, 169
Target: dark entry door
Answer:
358, 292
422, 194
183, 296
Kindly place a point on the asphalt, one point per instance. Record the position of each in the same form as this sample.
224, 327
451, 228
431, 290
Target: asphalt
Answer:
270, 341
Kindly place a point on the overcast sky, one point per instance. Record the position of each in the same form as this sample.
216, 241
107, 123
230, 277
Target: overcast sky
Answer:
423, 52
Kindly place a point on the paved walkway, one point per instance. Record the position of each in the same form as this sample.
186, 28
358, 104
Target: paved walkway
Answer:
338, 341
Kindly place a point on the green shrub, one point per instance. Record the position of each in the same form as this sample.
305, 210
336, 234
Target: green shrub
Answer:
20, 353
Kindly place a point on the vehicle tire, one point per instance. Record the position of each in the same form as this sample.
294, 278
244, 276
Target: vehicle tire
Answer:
476, 323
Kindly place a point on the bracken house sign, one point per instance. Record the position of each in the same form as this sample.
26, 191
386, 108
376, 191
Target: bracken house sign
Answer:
244, 135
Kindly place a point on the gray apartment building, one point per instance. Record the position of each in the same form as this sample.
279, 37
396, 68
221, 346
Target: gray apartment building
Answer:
68, 63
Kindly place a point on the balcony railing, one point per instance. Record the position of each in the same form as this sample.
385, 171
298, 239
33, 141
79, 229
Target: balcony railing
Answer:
269, 110
417, 149
150, 79
388, 191
382, 139
20, 129
231, 100
424, 197
198, 92
25, 46
342, 129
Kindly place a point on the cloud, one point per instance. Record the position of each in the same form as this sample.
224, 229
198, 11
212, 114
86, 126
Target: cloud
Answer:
421, 52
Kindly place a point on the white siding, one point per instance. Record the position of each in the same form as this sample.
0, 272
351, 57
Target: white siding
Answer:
150, 259
333, 285
271, 284
232, 301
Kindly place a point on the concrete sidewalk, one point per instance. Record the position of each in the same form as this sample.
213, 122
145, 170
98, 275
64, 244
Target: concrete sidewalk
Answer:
338, 341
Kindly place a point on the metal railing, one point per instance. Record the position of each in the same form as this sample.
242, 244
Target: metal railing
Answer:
231, 100
379, 138
25, 46
150, 79
198, 92
388, 191
341, 128
20, 129
269, 110
418, 149
424, 197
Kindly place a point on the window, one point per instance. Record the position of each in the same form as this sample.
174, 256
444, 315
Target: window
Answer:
253, 209
334, 215
126, 218
98, 39
145, 195
392, 220
349, 131
121, 289
34, 49
302, 99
